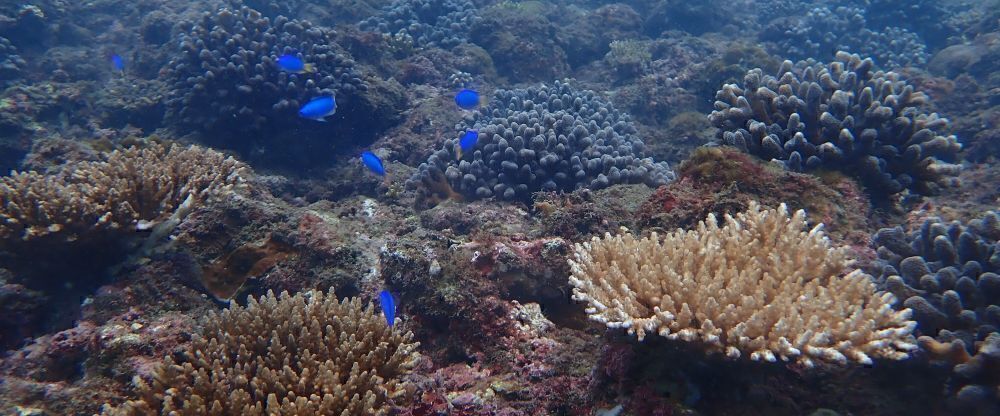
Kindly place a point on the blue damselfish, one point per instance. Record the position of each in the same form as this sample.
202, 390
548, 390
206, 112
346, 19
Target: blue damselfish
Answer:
467, 142
319, 108
373, 163
388, 306
292, 63
117, 62
467, 99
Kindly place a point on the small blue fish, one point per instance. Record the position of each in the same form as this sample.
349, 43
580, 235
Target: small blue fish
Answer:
467, 142
319, 108
292, 63
388, 307
373, 163
117, 62
467, 99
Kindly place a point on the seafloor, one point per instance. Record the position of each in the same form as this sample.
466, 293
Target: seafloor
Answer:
163, 183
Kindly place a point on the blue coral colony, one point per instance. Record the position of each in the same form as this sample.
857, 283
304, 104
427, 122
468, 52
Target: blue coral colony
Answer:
830, 243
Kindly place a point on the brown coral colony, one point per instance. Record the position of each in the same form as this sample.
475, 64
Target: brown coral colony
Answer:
307, 354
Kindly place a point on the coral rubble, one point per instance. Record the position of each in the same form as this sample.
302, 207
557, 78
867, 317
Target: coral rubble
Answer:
758, 285
842, 116
307, 354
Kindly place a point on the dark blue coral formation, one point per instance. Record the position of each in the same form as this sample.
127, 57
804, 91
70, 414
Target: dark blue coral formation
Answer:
441, 23
11, 64
227, 78
825, 29
947, 273
544, 138
844, 116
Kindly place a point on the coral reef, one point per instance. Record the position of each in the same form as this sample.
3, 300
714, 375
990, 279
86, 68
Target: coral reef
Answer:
524, 45
543, 138
759, 285
843, 116
629, 58
930, 20
440, 23
302, 354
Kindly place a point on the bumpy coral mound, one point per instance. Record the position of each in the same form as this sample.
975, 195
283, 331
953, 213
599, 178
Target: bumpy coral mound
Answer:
544, 138
825, 29
307, 354
228, 80
758, 285
130, 189
949, 274
11, 64
442, 23
842, 116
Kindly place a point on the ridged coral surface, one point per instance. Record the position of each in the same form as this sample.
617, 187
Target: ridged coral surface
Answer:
759, 285
844, 116
307, 354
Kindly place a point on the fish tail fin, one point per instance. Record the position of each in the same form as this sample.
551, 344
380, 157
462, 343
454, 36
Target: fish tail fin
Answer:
308, 68
458, 152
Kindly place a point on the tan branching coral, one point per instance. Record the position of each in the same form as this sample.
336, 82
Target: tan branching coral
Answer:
307, 354
760, 284
134, 187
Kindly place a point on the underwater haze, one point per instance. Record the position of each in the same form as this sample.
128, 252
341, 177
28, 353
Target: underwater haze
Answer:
500, 207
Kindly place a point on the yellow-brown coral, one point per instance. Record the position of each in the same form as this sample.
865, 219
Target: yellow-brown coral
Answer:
134, 187
307, 354
758, 285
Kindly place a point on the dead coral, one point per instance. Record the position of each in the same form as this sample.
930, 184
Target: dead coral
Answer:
307, 354
758, 285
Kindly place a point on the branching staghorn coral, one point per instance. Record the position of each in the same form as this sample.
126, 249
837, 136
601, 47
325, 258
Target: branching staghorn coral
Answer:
131, 188
307, 354
758, 285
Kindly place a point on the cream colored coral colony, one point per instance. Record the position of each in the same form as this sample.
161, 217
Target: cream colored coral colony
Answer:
760, 285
